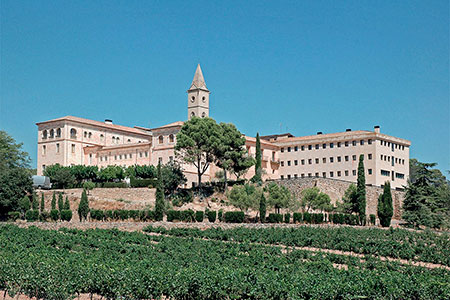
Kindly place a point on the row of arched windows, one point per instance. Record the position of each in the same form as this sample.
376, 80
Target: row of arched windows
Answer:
52, 133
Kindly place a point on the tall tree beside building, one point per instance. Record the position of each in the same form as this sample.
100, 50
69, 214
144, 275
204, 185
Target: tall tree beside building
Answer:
385, 209
258, 170
159, 204
361, 191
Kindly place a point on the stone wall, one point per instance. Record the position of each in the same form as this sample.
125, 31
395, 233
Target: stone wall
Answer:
336, 189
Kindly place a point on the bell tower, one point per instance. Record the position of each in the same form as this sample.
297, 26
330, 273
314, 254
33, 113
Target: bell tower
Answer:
198, 96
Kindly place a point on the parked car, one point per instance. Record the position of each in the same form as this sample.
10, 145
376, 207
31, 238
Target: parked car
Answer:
41, 182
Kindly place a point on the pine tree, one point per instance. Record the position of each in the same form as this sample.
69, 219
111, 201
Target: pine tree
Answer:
385, 210
361, 191
83, 207
60, 202
262, 208
34, 201
258, 171
159, 205
54, 201
67, 203
42, 202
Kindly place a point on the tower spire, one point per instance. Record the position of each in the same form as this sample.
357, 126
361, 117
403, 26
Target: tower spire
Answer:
198, 82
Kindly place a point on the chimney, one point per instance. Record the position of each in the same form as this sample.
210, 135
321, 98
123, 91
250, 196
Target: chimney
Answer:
108, 121
348, 129
319, 132
376, 129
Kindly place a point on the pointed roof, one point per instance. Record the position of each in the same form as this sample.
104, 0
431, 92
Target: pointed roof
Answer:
198, 82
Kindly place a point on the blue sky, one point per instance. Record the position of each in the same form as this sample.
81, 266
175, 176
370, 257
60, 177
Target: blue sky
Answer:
272, 66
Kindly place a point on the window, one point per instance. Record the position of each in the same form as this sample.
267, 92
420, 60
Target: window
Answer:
324, 146
303, 161
362, 142
338, 173
296, 162
331, 174
354, 157
346, 158
317, 146
369, 156
385, 173
339, 159
171, 138
161, 139
296, 149
57, 148
310, 161
331, 159
346, 172
354, 172
289, 163
317, 161
73, 148
282, 163
324, 160
346, 144
44, 150
369, 171
339, 144
331, 145
324, 174
289, 149
52, 133
354, 143
73, 133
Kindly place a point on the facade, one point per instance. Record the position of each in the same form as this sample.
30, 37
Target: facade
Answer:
73, 141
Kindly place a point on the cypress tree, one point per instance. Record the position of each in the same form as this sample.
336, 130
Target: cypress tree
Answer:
361, 191
83, 207
67, 203
258, 171
159, 205
262, 208
54, 201
385, 209
42, 202
60, 202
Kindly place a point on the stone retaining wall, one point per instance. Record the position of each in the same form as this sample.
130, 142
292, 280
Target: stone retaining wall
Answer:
336, 189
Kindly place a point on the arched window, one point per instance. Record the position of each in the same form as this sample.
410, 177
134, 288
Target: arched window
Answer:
171, 138
58, 132
161, 139
73, 133
203, 114
52, 133
44, 134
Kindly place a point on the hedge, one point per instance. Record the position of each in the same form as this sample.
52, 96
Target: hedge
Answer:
297, 217
212, 216
32, 215
66, 215
54, 214
275, 218
13, 215
234, 217
138, 183
199, 216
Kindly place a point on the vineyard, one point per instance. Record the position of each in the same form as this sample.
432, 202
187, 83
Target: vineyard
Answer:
193, 264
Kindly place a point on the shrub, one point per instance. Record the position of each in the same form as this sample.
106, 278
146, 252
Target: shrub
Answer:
140, 183
54, 214
234, 216
66, 215
287, 218
372, 219
211, 216
275, 218
220, 215
173, 215
13, 215
307, 218
32, 215
297, 218
187, 215
44, 216
199, 215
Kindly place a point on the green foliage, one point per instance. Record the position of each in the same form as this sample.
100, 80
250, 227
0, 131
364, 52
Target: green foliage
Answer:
279, 197
427, 198
197, 142
25, 204
54, 214
385, 210
83, 207
42, 206
275, 218
15, 175
212, 214
14, 215
199, 216
53, 201
361, 190
159, 205
66, 215
262, 208
297, 217
60, 202
234, 216
32, 215
313, 199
